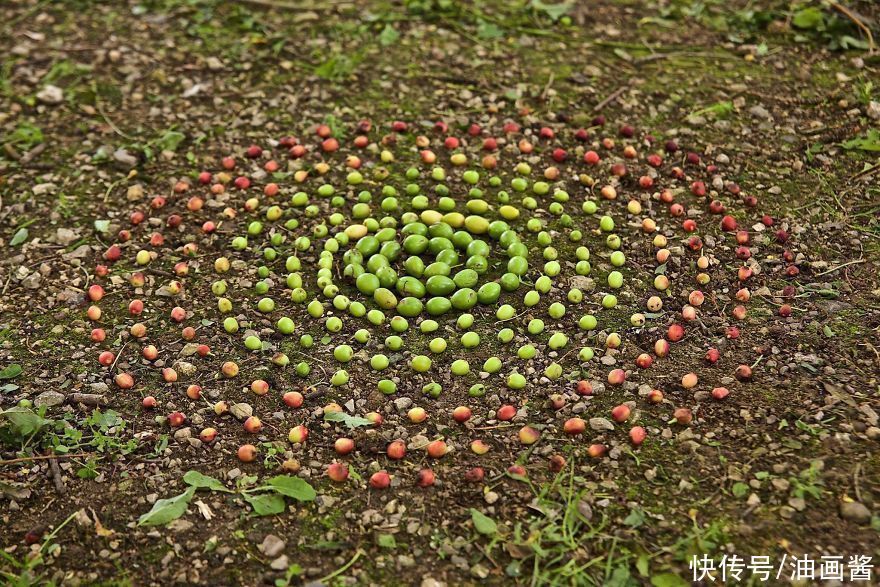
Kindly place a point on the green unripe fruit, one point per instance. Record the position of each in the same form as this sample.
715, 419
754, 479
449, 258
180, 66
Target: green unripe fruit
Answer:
252, 343
285, 325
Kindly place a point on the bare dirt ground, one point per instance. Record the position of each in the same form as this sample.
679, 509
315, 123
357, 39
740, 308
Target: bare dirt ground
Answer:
110, 114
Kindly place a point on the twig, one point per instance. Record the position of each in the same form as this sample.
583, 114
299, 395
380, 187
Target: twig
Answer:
614, 96
858, 22
866, 172
56, 476
43, 458
343, 568
833, 269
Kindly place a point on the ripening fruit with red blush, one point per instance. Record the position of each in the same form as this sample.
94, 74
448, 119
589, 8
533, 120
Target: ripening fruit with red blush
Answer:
343, 446
785, 310
616, 377
698, 188
436, 449
176, 419
574, 426
338, 472
655, 396
474, 475
106, 358
720, 393
683, 416
518, 470
124, 381
380, 480
96, 292
293, 399
743, 373
169, 375
528, 435
712, 355
490, 144
506, 413
644, 360
591, 157
208, 435
94, 313
425, 478
247, 453
655, 160
637, 435
675, 332
194, 392
98, 335
584, 387
556, 463
253, 424
396, 450
620, 413
461, 414
178, 314
597, 450
149, 402
374, 417
150, 352
259, 387
661, 348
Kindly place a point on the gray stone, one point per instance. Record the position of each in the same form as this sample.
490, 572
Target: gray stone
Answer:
855, 512
49, 399
272, 546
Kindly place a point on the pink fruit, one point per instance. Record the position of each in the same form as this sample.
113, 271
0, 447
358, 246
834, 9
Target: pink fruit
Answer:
396, 450
106, 358
620, 413
436, 449
98, 335
253, 424
506, 413
474, 475
712, 355
176, 419
337, 472
720, 393
425, 478
584, 387
743, 373
293, 399
343, 446
574, 426
461, 414
149, 402
380, 480
616, 377
528, 435
683, 416
637, 435
247, 453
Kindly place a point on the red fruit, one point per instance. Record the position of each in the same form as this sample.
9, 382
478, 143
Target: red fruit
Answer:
743, 373
176, 419
208, 435
203, 350
557, 463
425, 478
728, 224
242, 182
616, 377
655, 160
343, 446
149, 402
298, 434
330, 145
712, 355
518, 470
559, 155
627, 131
596, 450
98, 335
618, 170
620, 413
436, 449
380, 480
506, 413
323, 131
474, 130
683, 416
675, 332
574, 426
205, 177
720, 393
644, 360
106, 358
637, 435
698, 188
398, 126
293, 399
337, 472
461, 414
584, 387
247, 453
581, 135
785, 310
451, 143
475, 475
655, 396
194, 392
693, 158
396, 450
490, 144
591, 157
297, 151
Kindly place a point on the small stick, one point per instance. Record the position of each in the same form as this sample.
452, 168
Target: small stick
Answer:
858, 22
56, 476
614, 96
833, 269
42, 458
89, 399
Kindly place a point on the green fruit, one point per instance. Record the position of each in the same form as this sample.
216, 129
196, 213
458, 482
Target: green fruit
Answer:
428, 326
379, 362
556, 310
394, 343
609, 301
333, 324
253, 343
510, 281
586, 354
315, 309
470, 340
230, 325
531, 298
343, 353
399, 324
465, 321
489, 293
505, 312
536, 326
505, 335
306, 341
362, 335
516, 381
440, 285
437, 345
437, 306
526, 352
464, 299
606, 223
460, 367
339, 378
376, 317
420, 363
477, 390
266, 305
557, 341
466, 278
303, 369
553, 371
410, 307
386, 386
385, 298
492, 365
433, 389
618, 259
615, 280
518, 265
285, 325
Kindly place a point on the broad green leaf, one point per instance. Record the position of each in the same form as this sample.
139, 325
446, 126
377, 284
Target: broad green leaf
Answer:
388, 36
554, 11
102, 225
19, 237
635, 518
351, 421
483, 523
200, 481
668, 580
267, 504
170, 140
167, 510
11, 372
808, 18
620, 577
24, 421
293, 487
386, 541
740, 489
869, 142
